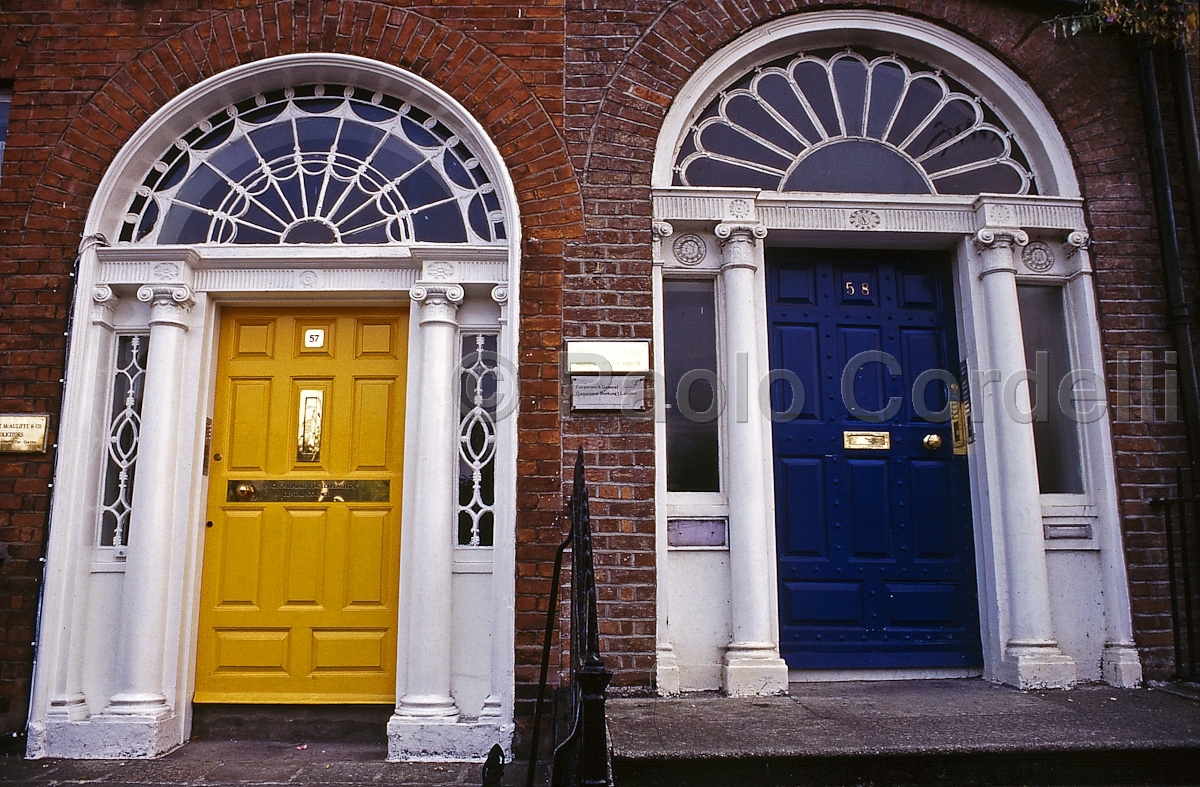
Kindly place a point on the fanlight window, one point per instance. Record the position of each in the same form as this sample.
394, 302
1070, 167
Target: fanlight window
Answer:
846, 123
317, 164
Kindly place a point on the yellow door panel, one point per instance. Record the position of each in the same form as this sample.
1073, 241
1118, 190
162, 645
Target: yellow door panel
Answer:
248, 650
238, 568
304, 550
371, 435
375, 338
348, 650
250, 409
366, 558
301, 562
254, 338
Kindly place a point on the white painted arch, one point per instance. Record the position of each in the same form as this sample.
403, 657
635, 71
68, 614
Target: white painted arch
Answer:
1054, 598
84, 702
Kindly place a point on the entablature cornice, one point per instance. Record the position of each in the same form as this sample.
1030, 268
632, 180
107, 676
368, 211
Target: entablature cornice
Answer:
934, 215
230, 269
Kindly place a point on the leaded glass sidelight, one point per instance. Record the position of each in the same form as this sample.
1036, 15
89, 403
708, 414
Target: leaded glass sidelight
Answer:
477, 440
857, 122
317, 164
124, 429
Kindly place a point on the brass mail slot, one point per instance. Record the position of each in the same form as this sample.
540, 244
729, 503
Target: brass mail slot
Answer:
867, 441
261, 490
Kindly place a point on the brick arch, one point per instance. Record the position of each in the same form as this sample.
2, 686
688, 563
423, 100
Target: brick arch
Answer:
685, 34
485, 85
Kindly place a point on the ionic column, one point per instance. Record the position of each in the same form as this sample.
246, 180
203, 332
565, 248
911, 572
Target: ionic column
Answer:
147, 567
431, 529
68, 702
752, 663
1031, 655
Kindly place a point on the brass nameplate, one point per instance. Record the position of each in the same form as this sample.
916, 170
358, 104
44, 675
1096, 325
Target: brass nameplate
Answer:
867, 441
259, 490
23, 434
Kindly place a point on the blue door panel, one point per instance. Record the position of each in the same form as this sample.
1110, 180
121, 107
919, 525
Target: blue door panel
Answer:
800, 352
932, 487
923, 605
826, 603
869, 514
876, 561
806, 534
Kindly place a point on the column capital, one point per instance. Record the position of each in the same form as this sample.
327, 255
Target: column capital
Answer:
659, 231
1076, 242
1000, 237
737, 244
169, 303
730, 232
106, 305
439, 302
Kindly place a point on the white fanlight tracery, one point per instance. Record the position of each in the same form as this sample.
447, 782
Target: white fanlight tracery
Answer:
317, 164
851, 124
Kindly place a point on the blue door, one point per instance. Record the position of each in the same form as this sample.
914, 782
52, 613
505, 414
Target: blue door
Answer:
873, 514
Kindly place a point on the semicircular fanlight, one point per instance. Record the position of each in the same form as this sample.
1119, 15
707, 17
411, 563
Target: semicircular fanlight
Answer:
316, 164
845, 123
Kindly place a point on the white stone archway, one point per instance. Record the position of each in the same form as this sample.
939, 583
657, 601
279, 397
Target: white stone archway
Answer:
115, 666
1050, 567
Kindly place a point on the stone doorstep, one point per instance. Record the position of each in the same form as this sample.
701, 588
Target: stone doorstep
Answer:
958, 732
217, 763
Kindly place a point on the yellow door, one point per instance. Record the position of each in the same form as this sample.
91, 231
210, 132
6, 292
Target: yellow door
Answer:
302, 549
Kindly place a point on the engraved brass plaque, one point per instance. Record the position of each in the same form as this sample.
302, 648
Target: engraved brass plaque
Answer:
262, 490
23, 434
867, 441
958, 423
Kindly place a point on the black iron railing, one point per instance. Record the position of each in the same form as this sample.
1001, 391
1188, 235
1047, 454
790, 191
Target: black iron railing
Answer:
581, 758
1181, 515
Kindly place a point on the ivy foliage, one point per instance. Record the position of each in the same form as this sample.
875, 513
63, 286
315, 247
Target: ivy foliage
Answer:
1171, 21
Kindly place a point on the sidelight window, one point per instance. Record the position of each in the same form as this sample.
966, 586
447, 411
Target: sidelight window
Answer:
1053, 389
124, 429
693, 390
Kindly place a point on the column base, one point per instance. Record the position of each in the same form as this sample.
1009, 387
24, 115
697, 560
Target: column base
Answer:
105, 737
666, 672
1037, 666
425, 740
1121, 666
753, 669
431, 708
73, 708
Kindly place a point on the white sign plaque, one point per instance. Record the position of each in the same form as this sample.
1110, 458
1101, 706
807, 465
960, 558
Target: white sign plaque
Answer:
608, 393
23, 433
628, 357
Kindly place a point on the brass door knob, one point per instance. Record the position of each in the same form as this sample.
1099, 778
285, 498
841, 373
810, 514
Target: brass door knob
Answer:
245, 491
932, 442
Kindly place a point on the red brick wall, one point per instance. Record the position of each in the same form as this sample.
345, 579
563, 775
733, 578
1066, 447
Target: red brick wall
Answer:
87, 76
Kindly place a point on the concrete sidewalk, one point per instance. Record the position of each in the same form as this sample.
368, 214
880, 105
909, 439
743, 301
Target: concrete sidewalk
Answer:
254, 762
909, 732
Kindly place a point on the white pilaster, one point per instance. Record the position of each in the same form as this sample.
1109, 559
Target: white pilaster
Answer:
666, 664
1120, 663
497, 707
140, 702
752, 665
1031, 657
429, 532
